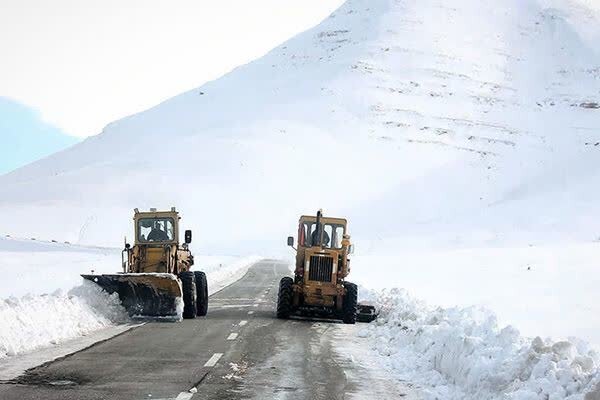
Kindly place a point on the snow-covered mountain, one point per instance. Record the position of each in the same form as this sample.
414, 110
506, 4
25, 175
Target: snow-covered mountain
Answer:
462, 141
478, 121
25, 136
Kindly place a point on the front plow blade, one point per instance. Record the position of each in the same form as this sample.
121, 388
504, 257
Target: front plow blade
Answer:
146, 295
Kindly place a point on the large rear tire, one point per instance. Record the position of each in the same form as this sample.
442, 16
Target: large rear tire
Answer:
350, 303
284, 297
201, 293
188, 285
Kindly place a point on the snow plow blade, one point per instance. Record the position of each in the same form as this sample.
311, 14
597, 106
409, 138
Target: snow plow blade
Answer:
145, 295
366, 313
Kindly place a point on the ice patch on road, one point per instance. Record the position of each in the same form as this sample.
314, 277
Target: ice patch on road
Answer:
237, 371
462, 353
32, 322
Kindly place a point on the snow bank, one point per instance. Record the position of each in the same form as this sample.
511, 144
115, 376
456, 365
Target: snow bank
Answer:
222, 275
462, 353
551, 280
37, 267
32, 319
32, 322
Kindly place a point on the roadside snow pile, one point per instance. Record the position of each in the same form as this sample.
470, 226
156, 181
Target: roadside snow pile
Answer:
462, 353
31, 267
32, 322
221, 275
551, 279
30, 319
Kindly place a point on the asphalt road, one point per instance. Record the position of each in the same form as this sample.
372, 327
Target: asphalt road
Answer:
239, 351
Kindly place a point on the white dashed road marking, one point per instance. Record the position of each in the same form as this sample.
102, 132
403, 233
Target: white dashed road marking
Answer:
250, 312
232, 336
184, 396
213, 360
243, 322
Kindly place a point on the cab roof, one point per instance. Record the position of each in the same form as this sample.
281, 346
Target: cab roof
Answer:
153, 213
333, 220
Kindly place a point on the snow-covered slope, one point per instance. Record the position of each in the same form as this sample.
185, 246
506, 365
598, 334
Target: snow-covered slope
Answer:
474, 120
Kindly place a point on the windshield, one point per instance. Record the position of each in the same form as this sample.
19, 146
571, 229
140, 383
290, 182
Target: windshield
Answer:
331, 236
155, 230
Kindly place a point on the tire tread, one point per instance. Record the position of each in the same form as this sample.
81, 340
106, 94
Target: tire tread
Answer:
188, 286
284, 297
350, 303
201, 293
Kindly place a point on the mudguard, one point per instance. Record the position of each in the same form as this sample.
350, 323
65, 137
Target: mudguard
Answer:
366, 313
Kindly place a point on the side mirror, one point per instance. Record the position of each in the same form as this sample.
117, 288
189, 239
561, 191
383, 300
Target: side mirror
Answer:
351, 249
290, 241
188, 236
127, 246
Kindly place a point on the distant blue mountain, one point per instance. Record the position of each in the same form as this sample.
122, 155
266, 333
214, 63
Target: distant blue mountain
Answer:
24, 137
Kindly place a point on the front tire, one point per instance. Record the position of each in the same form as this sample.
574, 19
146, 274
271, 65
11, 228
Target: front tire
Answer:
350, 303
284, 297
201, 293
188, 286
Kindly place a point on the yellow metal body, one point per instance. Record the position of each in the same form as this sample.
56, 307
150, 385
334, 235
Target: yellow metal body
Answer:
162, 256
330, 264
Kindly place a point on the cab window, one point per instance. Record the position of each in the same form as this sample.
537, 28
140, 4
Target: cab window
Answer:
331, 235
155, 230
338, 235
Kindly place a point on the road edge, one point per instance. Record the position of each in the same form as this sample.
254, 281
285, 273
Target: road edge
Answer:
12, 368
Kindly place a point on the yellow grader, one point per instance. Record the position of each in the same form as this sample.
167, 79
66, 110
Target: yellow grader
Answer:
157, 274
319, 286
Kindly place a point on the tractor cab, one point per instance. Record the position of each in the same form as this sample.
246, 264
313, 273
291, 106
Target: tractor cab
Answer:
156, 246
156, 227
324, 243
326, 233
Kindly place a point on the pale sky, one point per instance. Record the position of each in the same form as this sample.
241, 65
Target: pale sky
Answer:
85, 63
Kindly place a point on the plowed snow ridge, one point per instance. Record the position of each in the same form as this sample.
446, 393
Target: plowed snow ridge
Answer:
51, 316
462, 353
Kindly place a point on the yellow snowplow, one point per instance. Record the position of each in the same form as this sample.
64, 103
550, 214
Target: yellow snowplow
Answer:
157, 276
319, 286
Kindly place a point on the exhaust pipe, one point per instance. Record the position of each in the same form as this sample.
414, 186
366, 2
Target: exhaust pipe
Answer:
320, 228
